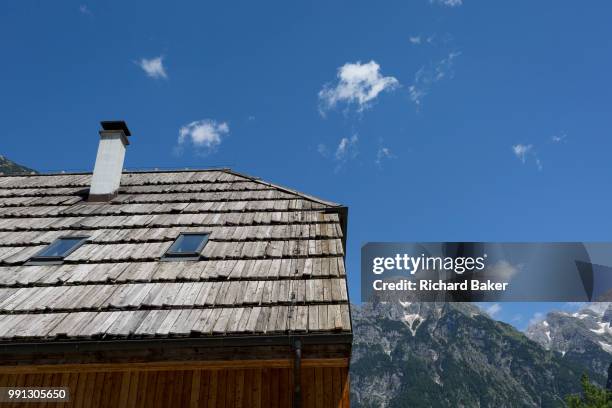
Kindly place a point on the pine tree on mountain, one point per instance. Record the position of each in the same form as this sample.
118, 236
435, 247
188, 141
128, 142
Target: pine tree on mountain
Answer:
592, 395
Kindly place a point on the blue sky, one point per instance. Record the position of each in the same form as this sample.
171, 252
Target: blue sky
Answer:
432, 120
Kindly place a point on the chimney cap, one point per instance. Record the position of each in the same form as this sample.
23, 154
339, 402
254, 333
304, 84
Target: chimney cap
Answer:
115, 125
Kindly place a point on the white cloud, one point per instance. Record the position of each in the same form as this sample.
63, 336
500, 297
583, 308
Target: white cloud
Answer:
323, 150
558, 138
347, 148
494, 309
204, 134
427, 76
421, 39
537, 318
357, 84
154, 67
523, 151
345, 151
85, 10
416, 94
573, 306
517, 318
503, 270
383, 153
539, 164
448, 3
445, 66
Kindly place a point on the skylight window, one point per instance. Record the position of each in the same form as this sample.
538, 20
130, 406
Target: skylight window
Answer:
59, 249
187, 245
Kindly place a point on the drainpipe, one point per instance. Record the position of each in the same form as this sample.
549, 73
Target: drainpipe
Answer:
297, 374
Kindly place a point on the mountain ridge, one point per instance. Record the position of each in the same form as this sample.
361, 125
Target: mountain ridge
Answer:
9, 167
584, 337
453, 355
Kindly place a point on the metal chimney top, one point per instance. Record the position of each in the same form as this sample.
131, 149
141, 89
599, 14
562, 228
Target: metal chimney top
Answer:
116, 125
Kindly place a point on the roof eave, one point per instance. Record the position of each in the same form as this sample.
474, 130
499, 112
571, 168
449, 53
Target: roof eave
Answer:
257, 347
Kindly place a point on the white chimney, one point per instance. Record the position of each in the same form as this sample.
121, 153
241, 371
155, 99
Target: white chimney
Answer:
109, 161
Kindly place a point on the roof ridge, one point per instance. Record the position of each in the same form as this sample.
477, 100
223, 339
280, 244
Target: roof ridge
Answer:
283, 188
82, 173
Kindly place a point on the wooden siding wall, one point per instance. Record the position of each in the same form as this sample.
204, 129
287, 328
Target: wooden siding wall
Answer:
322, 387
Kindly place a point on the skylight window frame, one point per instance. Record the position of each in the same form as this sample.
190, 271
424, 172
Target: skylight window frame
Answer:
37, 259
186, 256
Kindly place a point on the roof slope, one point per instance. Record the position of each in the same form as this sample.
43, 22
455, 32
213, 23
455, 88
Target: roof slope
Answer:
273, 264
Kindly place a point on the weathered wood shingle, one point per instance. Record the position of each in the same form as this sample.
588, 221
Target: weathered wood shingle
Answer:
273, 263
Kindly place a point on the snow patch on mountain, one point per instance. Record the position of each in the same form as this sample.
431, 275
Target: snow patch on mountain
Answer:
607, 347
413, 321
603, 328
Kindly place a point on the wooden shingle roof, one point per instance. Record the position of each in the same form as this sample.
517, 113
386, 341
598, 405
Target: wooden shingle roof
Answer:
273, 264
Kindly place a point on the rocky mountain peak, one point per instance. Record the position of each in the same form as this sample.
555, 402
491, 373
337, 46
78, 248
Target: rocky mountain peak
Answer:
451, 355
9, 167
583, 337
